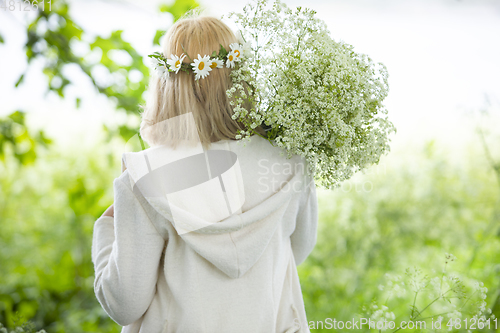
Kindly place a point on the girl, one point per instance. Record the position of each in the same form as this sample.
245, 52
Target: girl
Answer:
234, 272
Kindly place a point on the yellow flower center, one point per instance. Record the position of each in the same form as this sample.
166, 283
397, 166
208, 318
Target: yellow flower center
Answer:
237, 53
177, 63
201, 65
231, 57
213, 65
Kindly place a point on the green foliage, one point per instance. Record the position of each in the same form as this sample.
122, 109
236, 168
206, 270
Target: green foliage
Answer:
440, 300
25, 327
402, 214
48, 206
54, 44
157, 37
179, 8
127, 93
379, 224
125, 83
18, 140
46, 217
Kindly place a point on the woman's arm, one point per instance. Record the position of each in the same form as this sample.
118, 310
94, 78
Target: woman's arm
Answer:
111, 210
304, 237
126, 252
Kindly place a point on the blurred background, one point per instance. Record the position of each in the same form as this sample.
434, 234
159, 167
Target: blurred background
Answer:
74, 73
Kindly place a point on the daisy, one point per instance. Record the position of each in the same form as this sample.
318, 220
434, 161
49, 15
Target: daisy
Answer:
161, 70
216, 63
237, 50
231, 59
175, 62
201, 66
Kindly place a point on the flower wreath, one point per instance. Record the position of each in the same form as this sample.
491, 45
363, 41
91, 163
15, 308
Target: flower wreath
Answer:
201, 66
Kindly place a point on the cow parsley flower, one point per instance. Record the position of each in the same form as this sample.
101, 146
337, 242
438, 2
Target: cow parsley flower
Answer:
314, 96
246, 49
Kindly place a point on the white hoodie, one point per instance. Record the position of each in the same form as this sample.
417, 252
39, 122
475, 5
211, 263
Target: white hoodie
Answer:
235, 274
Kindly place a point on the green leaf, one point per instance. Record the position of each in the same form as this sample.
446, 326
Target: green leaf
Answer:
17, 117
127, 132
222, 52
19, 81
158, 35
156, 55
42, 139
179, 8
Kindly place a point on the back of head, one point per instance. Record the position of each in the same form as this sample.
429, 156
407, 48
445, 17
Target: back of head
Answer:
180, 93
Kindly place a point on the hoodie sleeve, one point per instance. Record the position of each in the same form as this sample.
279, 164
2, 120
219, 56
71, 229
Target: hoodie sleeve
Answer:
304, 236
126, 253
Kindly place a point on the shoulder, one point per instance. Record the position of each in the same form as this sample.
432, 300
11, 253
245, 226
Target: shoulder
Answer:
269, 155
260, 147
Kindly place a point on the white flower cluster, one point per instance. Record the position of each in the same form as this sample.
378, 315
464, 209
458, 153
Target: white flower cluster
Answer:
378, 313
314, 96
26, 327
395, 286
443, 296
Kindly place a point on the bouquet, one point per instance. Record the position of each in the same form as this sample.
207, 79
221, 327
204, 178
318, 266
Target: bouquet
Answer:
314, 96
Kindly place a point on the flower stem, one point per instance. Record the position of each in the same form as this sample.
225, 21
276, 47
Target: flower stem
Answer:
432, 302
468, 299
186, 53
413, 307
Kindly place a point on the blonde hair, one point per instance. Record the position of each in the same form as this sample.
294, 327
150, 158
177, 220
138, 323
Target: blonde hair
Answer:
180, 94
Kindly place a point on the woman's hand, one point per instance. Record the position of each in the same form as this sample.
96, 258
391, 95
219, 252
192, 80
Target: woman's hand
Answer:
110, 211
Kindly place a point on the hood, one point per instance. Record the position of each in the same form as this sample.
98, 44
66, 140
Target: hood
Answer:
201, 193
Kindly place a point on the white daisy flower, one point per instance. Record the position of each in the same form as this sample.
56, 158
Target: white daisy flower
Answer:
231, 59
154, 63
201, 66
237, 50
175, 62
161, 70
216, 63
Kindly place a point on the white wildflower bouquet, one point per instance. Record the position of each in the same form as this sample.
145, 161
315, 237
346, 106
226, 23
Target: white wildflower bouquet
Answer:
315, 97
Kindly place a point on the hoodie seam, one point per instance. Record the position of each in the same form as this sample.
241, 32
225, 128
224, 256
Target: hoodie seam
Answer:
237, 257
218, 231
